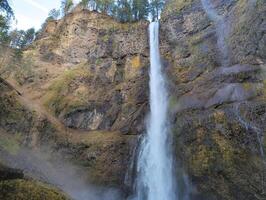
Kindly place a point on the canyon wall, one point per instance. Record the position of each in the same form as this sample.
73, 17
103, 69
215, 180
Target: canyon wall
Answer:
218, 111
80, 93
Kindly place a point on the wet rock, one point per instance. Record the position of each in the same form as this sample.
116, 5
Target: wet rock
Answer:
7, 173
219, 130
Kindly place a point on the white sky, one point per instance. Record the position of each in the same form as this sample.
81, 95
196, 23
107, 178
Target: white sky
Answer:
32, 13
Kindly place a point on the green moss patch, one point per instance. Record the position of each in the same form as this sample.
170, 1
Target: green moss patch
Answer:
68, 91
28, 190
175, 6
9, 144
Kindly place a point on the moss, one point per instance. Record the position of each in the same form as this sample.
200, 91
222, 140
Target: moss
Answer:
103, 153
226, 150
260, 3
202, 160
106, 38
98, 61
264, 89
192, 57
264, 141
10, 144
25, 72
172, 102
175, 7
247, 86
219, 117
28, 190
214, 155
14, 117
64, 93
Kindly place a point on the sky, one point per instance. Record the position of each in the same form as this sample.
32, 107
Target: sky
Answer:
32, 13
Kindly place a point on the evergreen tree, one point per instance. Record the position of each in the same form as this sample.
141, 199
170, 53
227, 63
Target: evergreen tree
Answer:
156, 7
140, 9
4, 26
53, 14
5, 8
124, 11
21, 39
84, 3
93, 5
29, 36
105, 6
66, 6
6, 13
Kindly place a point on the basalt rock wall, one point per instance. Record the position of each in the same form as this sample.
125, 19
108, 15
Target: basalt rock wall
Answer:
218, 111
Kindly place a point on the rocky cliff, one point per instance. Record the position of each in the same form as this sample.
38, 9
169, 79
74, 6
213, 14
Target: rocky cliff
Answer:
80, 93
219, 111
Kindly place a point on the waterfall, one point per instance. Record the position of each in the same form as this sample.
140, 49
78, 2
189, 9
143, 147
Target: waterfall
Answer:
155, 166
221, 30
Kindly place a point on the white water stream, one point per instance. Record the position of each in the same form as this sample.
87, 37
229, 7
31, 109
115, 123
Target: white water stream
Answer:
155, 179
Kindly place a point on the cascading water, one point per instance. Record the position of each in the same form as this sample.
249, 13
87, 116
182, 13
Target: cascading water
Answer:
155, 163
221, 30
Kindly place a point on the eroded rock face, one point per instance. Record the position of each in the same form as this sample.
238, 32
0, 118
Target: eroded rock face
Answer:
83, 94
102, 155
105, 87
219, 112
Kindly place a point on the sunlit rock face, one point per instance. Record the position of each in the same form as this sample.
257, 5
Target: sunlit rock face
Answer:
218, 110
102, 71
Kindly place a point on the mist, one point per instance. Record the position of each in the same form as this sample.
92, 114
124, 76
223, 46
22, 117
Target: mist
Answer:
71, 179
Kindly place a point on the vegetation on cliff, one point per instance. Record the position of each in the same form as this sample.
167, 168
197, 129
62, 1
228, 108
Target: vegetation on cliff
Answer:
80, 92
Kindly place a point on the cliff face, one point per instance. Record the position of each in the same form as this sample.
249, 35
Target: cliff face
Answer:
218, 110
80, 92
104, 65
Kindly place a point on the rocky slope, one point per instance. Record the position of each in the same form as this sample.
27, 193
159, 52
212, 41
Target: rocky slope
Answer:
104, 69
80, 93
219, 111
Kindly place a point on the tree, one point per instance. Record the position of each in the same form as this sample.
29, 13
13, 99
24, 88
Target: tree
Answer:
84, 3
66, 6
156, 7
21, 39
53, 14
123, 11
5, 7
6, 13
140, 9
29, 36
103, 6
4, 27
